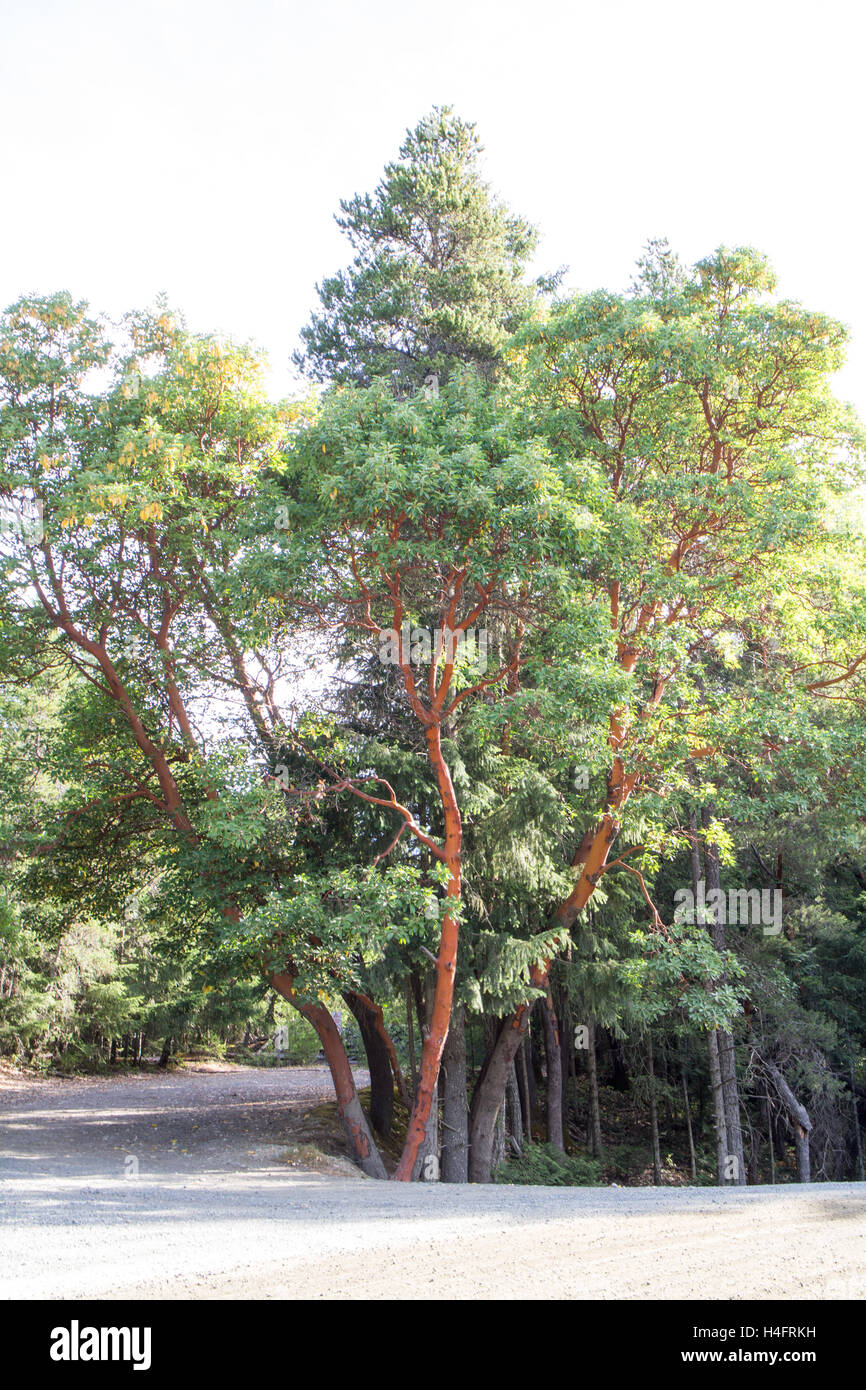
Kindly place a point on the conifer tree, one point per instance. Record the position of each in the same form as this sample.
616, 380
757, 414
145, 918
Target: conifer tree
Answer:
437, 277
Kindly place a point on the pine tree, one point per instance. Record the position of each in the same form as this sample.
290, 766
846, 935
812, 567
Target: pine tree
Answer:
438, 271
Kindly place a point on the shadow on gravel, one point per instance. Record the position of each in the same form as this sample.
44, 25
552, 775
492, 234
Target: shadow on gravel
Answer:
298, 1198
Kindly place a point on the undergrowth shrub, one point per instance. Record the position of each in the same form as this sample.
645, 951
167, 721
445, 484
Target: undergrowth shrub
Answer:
541, 1165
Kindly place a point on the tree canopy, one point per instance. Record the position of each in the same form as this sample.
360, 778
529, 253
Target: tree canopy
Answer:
437, 691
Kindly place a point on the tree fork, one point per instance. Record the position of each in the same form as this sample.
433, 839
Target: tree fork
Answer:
361, 1143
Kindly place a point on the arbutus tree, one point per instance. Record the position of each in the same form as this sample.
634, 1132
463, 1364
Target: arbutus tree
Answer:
706, 406
425, 523
130, 582
139, 486
660, 459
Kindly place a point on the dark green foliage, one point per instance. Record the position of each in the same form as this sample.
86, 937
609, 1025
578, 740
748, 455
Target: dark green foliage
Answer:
641, 494
436, 278
543, 1166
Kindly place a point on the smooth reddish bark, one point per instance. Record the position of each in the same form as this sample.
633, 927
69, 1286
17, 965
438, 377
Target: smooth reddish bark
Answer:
445, 968
364, 1150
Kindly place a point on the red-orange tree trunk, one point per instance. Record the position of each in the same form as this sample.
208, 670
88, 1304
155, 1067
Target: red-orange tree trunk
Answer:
364, 1150
446, 969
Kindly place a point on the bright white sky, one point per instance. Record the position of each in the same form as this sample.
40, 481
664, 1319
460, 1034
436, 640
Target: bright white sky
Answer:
200, 147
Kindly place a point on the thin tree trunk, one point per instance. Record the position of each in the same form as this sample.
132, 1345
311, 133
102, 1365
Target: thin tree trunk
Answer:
531, 1074
455, 1111
754, 1157
410, 1030
688, 1113
769, 1123
731, 1100
654, 1116
800, 1122
720, 1122
566, 1058
596, 1141
525, 1098
725, 1042
858, 1141
378, 1062
554, 1074
514, 1120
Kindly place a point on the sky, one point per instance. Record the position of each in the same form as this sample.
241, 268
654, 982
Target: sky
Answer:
200, 147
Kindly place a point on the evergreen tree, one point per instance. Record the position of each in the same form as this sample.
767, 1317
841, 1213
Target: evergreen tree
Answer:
438, 271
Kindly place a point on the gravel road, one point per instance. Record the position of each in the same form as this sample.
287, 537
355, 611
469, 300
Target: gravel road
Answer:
219, 1209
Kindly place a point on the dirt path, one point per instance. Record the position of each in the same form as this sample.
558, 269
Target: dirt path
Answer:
216, 1212
208, 1118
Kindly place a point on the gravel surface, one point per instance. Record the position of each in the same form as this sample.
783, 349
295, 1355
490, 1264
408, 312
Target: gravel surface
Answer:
216, 1211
